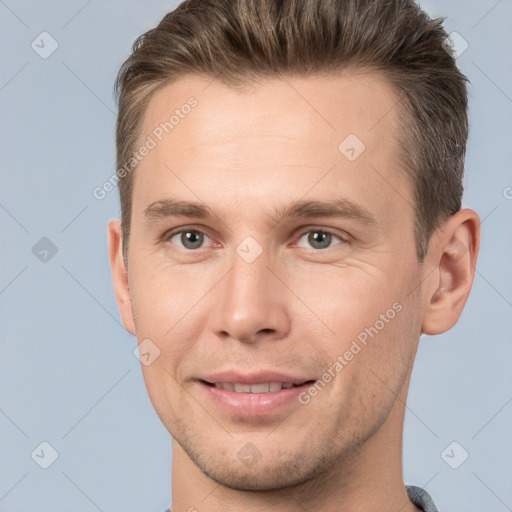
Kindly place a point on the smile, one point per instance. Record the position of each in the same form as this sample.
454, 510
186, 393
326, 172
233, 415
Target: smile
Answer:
258, 399
265, 387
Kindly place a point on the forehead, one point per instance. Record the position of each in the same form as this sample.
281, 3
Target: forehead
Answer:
326, 106
283, 133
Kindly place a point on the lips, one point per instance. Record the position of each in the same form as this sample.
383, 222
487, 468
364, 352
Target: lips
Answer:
263, 394
261, 381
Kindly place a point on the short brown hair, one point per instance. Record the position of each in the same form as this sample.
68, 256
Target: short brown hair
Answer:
236, 41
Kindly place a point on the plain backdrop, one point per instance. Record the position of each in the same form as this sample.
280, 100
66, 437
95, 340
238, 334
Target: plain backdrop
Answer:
69, 377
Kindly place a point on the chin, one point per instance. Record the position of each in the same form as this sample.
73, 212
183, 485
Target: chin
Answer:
264, 479
275, 471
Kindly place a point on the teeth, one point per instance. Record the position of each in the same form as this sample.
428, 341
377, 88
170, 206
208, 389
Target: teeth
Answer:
242, 388
260, 388
275, 386
265, 387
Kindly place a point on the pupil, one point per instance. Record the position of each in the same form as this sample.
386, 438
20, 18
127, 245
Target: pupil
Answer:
318, 237
191, 240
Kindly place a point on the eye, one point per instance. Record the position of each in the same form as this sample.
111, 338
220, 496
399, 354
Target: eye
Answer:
189, 238
193, 239
321, 239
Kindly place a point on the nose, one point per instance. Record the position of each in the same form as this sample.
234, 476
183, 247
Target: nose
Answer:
252, 303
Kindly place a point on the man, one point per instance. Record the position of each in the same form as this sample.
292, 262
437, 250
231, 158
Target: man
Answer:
290, 176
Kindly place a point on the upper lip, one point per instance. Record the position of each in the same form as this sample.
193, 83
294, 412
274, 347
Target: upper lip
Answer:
254, 377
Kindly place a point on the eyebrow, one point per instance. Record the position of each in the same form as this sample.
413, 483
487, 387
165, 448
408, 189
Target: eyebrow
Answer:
340, 207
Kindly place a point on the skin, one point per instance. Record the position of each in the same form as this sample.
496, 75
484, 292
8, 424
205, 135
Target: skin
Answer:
294, 309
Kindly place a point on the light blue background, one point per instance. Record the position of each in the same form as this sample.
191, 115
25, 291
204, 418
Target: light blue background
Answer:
68, 373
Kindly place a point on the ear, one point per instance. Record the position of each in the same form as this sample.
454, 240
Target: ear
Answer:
120, 275
452, 257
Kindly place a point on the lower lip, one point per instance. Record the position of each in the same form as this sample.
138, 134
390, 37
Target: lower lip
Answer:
254, 404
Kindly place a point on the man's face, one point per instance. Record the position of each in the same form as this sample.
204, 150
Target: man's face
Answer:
249, 297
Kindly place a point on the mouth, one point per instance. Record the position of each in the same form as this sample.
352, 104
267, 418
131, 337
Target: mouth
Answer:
263, 387
254, 400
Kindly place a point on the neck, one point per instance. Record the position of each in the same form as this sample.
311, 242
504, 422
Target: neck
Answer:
369, 478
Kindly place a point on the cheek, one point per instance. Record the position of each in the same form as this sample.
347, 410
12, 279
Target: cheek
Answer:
160, 297
164, 314
383, 350
163, 309
370, 366
346, 300
374, 325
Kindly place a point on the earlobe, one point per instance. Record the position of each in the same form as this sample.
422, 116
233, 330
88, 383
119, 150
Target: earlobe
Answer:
120, 275
454, 254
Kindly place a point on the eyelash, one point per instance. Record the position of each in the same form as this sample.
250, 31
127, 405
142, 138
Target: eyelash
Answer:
343, 239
